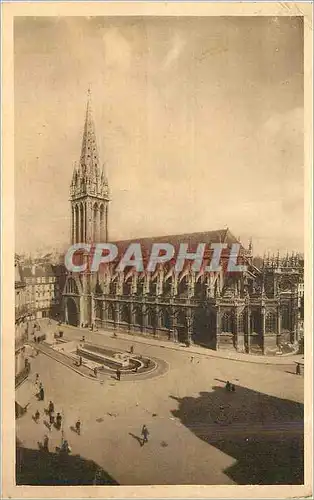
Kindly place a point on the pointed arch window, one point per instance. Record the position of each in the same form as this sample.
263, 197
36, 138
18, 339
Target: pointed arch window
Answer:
241, 322
183, 287
227, 322
181, 318
151, 318
285, 317
165, 319
71, 287
125, 314
256, 322
138, 317
270, 322
110, 312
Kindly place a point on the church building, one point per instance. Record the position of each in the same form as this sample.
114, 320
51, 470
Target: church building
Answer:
254, 311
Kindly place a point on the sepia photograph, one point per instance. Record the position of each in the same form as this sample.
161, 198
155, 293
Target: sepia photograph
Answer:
159, 249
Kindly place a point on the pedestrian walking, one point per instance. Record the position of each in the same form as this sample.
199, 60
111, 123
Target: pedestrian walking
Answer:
298, 369
132, 349
80, 361
78, 427
51, 419
118, 372
37, 416
51, 407
228, 386
95, 371
192, 359
145, 434
41, 394
233, 388
46, 443
58, 421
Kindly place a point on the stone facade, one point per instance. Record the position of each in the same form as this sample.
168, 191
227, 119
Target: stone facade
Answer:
43, 290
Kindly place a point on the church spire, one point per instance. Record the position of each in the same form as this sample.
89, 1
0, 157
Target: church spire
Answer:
89, 191
89, 162
88, 176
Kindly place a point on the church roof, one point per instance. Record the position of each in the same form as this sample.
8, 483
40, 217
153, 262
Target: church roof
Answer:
192, 239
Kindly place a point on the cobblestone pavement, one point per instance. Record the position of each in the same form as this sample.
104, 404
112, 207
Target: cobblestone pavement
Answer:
199, 433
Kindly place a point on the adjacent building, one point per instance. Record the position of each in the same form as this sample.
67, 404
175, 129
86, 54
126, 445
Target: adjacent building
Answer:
22, 315
43, 290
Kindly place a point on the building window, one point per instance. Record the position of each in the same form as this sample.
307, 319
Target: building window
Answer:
111, 312
241, 322
138, 316
151, 318
125, 314
285, 318
227, 322
165, 319
256, 323
270, 322
183, 287
181, 319
112, 287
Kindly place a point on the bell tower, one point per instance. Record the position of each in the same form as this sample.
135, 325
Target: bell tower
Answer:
89, 192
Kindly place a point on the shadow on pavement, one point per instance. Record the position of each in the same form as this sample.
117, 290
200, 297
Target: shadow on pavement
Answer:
42, 468
263, 433
138, 438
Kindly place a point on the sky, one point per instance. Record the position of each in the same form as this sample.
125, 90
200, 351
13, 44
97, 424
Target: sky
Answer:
199, 122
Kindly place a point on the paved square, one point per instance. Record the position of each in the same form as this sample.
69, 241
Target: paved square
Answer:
198, 432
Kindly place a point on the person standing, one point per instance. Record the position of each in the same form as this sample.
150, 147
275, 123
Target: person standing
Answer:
41, 394
46, 443
51, 419
78, 427
58, 421
51, 407
65, 448
118, 372
145, 434
37, 416
132, 349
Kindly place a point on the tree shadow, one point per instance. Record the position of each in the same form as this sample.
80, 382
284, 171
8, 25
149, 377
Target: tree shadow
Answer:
43, 468
265, 434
